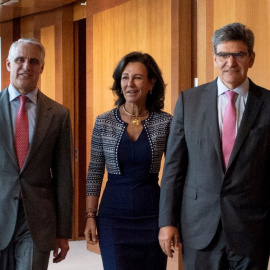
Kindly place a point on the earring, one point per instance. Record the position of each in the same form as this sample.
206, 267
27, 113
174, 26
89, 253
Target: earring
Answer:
150, 92
121, 91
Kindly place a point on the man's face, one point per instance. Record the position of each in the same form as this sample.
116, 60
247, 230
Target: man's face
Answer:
233, 69
25, 67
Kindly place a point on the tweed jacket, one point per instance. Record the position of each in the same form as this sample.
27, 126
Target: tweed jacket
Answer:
107, 134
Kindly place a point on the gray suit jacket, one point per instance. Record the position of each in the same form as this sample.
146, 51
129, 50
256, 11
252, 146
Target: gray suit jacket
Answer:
45, 179
196, 190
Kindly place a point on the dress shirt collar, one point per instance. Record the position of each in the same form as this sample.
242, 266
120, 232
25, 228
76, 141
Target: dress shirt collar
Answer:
13, 94
241, 90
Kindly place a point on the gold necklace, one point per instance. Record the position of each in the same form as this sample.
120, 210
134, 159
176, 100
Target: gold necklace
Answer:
136, 120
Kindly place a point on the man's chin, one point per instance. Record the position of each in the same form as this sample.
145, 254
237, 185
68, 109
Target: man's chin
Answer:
24, 90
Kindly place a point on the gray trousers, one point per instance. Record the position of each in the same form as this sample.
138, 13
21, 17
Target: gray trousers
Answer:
218, 256
22, 253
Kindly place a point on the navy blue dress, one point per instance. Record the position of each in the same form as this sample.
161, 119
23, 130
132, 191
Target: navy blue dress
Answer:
128, 213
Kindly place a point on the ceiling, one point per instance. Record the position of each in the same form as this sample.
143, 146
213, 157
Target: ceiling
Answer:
27, 7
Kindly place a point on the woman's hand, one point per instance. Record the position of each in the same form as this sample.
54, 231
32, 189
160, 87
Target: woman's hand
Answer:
90, 231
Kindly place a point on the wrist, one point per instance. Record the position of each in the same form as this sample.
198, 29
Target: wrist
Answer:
90, 213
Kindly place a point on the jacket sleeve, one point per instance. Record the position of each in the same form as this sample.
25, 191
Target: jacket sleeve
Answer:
174, 172
62, 176
97, 162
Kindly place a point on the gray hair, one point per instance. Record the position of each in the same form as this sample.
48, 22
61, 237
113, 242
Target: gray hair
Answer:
233, 31
32, 41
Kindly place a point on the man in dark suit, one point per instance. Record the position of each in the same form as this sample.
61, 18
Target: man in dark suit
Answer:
215, 190
36, 192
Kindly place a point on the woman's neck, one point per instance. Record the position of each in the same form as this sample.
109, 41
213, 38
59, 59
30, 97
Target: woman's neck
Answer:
135, 109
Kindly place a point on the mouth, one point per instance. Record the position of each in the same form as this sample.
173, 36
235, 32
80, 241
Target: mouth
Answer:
131, 92
232, 71
25, 75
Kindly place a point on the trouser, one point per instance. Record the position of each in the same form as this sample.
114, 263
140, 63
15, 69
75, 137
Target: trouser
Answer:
22, 253
218, 256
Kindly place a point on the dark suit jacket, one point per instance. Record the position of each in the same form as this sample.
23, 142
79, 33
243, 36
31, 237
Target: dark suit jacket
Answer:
45, 179
197, 192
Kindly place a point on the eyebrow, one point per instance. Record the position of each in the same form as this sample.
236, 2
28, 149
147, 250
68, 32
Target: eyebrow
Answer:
232, 52
23, 57
134, 74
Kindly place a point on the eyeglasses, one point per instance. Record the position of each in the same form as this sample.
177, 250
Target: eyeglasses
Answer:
239, 56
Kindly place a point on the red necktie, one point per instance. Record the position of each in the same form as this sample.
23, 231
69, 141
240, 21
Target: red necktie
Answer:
228, 129
22, 132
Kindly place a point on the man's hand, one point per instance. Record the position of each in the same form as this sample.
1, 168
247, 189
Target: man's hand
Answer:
168, 240
63, 245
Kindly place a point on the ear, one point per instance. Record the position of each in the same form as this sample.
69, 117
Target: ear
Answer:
8, 65
215, 60
152, 82
251, 60
41, 69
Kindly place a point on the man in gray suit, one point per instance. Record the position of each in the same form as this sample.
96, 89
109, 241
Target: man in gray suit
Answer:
218, 199
36, 192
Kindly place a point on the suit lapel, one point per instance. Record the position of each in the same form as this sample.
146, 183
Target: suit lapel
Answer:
43, 120
252, 109
6, 130
211, 113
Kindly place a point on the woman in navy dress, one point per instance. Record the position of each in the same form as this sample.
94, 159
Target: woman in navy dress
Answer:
129, 141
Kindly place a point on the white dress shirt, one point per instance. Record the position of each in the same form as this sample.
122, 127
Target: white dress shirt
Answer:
31, 107
240, 102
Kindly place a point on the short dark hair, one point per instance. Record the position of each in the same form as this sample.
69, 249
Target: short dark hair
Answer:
234, 31
154, 101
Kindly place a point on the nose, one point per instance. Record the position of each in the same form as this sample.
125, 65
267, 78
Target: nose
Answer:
26, 64
131, 82
231, 60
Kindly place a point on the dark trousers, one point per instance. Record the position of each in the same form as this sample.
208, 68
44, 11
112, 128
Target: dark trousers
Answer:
21, 253
218, 256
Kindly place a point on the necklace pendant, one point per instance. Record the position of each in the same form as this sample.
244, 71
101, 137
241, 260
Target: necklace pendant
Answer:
136, 121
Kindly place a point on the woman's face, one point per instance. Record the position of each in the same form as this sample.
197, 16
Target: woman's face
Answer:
135, 83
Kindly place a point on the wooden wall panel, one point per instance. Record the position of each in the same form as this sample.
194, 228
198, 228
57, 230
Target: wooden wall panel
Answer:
27, 27
211, 16
79, 11
6, 41
181, 11
132, 26
204, 34
48, 75
10, 31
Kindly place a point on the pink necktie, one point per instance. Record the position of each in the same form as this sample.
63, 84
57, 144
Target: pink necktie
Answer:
22, 132
229, 123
